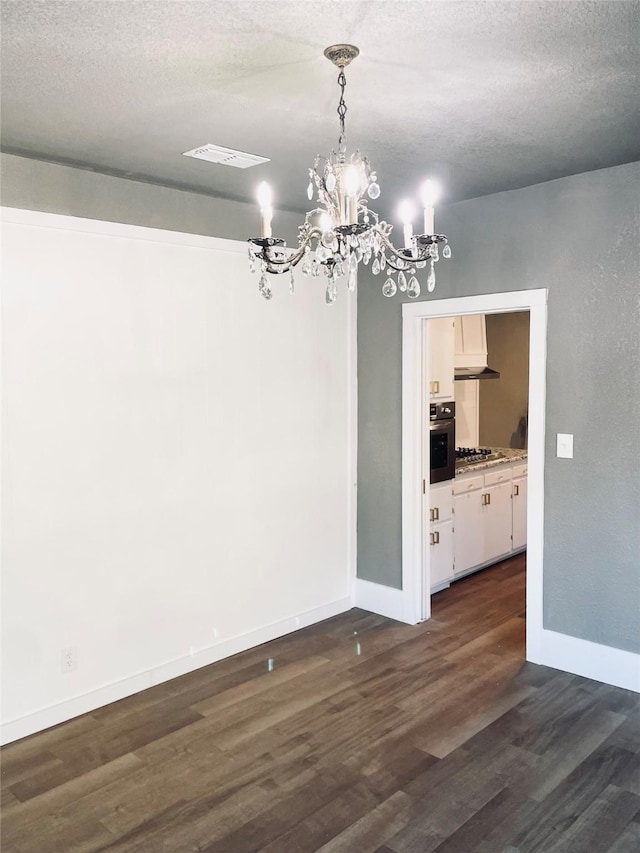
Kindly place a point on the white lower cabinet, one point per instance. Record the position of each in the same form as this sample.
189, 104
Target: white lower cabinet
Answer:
441, 551
489, 516
469, 530
496, 522
439, 540
519, 508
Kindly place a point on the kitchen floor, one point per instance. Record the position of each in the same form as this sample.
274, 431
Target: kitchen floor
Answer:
356, 735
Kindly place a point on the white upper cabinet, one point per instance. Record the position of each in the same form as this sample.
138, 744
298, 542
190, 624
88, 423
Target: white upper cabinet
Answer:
470, 341
441, 358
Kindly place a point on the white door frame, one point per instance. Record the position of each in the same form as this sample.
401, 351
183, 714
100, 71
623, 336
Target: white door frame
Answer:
416, 603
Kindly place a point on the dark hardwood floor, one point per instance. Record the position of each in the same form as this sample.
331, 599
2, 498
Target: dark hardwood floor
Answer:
366, 737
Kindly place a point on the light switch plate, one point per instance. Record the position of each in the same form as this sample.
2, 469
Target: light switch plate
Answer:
564, 446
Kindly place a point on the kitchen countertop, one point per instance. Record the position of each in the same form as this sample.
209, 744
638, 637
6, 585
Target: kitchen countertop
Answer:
503, 455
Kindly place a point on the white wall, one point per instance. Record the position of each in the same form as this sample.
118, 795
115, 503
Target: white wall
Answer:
178, 459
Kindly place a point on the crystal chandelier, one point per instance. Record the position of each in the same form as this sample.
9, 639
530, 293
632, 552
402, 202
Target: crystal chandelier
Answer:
344, 230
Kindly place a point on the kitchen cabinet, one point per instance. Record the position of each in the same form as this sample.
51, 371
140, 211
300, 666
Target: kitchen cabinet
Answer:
441, 336
497, 522
519, 507
489, 513
439, 540
441, 552
470, 341
482, 525
468, 543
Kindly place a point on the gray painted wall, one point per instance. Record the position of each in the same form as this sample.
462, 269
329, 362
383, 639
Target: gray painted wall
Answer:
36, 185
578, 237
504, 402
591, 562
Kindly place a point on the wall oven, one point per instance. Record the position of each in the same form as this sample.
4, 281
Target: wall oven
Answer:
442, 436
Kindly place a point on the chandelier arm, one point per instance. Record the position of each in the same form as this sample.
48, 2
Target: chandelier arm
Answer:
423, 248
283, 265
389, 263
398, 253
276, 266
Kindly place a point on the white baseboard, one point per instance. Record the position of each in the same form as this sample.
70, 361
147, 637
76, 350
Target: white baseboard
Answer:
380, 599
60, 713
591, 660
559, 651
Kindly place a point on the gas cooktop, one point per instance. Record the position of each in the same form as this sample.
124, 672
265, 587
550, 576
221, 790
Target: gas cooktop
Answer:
472, 454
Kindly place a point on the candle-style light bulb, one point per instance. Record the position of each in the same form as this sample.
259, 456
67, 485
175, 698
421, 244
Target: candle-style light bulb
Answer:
266, 211
406, 213
351, 188
430, 193
351, 180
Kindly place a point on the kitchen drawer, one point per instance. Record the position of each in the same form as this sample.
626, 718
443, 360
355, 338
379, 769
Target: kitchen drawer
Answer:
520, 470
501, 475
460, 487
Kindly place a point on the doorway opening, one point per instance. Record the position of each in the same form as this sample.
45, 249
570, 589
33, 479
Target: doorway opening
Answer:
418, 344
475, 491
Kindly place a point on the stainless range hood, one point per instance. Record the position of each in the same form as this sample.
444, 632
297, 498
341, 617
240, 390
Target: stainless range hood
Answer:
471, 349
475, 373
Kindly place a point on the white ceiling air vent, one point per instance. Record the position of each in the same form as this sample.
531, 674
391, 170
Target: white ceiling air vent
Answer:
225, 156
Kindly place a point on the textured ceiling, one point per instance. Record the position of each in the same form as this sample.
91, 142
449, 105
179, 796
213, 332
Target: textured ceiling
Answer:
488, 96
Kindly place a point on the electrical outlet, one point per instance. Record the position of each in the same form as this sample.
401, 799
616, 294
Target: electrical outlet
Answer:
69, 659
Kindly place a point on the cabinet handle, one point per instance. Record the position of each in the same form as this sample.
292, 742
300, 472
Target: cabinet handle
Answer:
516, 490
488, 498
436, 513
435, 538
436, 389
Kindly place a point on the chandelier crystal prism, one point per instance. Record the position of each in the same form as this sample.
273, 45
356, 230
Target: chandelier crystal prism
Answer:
344, 231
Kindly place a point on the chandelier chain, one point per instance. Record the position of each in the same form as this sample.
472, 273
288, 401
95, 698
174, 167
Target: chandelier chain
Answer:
342, 107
